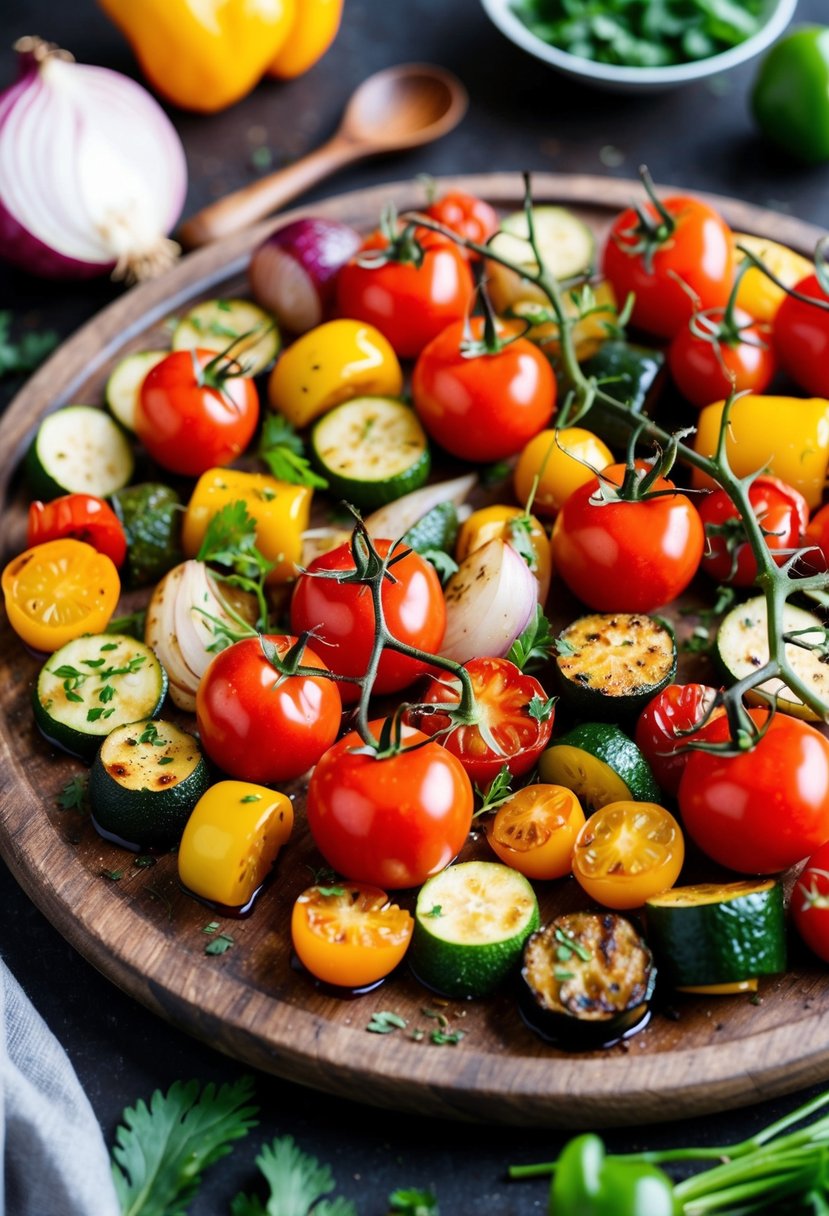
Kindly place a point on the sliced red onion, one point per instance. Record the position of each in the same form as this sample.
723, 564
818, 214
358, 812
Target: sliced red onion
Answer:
292, 272
489, 602
92, 172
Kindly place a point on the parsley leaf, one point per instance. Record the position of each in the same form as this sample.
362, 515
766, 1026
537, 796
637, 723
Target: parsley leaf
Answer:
496, 792
444, 564
27, 353
284, 453
413, 1203
385, 1022
532, 648
73, 795
161, 1150
230, 540
540, 709
219, 944
297, 1184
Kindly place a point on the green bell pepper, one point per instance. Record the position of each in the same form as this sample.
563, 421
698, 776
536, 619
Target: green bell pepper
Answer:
790, 98
588, 1183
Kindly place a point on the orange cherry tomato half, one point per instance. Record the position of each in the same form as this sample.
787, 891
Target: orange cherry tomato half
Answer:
535, 831
628, 851
349, 934
59, 590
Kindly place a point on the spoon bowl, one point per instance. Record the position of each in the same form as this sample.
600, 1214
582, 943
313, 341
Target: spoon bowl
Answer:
398, 108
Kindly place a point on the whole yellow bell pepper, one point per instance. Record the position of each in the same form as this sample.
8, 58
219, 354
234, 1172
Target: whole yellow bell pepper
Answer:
204, 54
281, 512
313, 30
787, 436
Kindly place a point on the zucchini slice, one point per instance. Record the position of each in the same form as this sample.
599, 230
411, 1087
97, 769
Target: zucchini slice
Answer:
586, 980
151, 516
718, 934
471, 922
144, 782
240, 328
600, 764
93, 685
566, 244
124, 384
632, 375
742, 646
371, 450
610, 665
78, 450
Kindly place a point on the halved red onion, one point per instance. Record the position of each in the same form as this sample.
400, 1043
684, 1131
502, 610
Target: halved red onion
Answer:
92, 171
292, 272
489, 602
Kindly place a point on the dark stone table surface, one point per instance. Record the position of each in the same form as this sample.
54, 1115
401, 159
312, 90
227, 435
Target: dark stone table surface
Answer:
521, 116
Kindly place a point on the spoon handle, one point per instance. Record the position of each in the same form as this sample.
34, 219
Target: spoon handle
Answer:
260, 198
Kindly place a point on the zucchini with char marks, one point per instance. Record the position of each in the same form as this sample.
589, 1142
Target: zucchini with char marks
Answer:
610, 664
586, 980
371, 450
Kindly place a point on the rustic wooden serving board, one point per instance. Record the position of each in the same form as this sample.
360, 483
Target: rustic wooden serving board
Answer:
146, 936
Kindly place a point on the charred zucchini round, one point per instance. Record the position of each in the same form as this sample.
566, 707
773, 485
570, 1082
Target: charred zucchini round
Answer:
586, 981
610, 664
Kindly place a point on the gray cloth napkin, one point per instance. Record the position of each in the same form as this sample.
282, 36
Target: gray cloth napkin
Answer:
54, 1161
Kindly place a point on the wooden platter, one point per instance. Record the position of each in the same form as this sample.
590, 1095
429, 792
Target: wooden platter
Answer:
146, 936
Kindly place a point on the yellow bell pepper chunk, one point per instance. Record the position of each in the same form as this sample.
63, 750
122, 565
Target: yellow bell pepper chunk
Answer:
786, 436
231, 841
281, 512
493, 523
331, 364
204, 54
757, 294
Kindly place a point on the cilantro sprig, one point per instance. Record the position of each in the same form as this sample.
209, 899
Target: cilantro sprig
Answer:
284, 453
230, 541
297, 1184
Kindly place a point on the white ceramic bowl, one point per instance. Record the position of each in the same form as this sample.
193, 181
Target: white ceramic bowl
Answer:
639, 80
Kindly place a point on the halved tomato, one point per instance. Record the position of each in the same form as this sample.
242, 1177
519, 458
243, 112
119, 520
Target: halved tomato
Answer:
59, 590
628, 851
349, 934
535, 830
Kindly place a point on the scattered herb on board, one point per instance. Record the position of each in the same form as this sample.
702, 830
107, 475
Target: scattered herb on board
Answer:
220, 944
73, 796
17, 358
386, 1022
297, 1184
413, 1203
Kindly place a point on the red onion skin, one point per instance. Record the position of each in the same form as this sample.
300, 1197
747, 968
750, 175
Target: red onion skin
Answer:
320, 247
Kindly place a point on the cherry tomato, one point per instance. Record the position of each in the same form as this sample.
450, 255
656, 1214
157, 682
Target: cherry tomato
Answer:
192, 415
810, 903
82, 517
761, 811
706, 369
626, 852
627, 556
342, 616
783, 514
817, 538
465, 214
698, 251
504, 696
349, 935
535, 831
258, 726
659, 730
409, 303
393, 822
562, 460
801, 338
59, 590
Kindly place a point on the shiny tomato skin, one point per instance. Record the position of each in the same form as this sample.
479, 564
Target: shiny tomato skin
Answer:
817, 539
409, 304
486, 407
706, 371
627, 556
783, 514
259, 728
503, 694
188, 427
677, 708
465, 214
342, 617
801, 338
392, 822
809, 905
82, 517
765, 809
699, 252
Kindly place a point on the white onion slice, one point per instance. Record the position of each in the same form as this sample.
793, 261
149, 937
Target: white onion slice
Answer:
395, 518
92, 171
489, 602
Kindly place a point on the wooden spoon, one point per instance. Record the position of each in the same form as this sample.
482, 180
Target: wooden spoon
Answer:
400, 107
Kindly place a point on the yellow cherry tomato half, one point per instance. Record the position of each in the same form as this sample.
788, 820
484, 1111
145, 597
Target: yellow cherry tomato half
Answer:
330, 364
349, 934
562, 460
501, 522
628, 851
535, 831
756, 294
57, 591
231, 841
